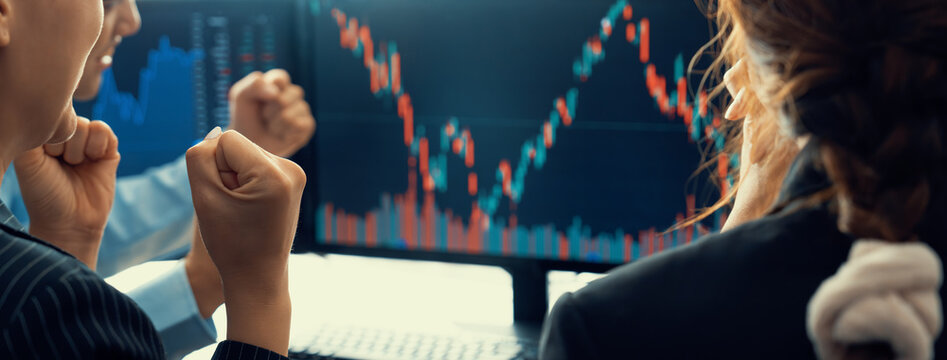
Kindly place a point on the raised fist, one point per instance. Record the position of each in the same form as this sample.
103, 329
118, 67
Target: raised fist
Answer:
68, 188
272, 112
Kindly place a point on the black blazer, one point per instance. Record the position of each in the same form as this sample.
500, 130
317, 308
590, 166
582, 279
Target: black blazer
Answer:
737, 295
54, 307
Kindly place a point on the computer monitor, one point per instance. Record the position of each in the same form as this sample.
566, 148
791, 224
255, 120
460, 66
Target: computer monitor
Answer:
534, 135
168, 85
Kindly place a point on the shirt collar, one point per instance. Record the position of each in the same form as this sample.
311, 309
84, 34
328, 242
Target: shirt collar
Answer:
806, 176
7, 218
10, 225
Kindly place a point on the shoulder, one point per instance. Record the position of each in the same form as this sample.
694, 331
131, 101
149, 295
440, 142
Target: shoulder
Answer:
750, 251
566, 334
53, 305
27, 268
716, 290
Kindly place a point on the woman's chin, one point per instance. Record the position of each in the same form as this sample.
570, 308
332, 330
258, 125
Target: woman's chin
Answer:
88, 89
66, 127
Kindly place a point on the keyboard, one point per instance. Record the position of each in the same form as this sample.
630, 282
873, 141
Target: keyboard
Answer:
357, 343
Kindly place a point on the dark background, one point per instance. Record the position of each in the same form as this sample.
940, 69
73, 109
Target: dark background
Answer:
497, 66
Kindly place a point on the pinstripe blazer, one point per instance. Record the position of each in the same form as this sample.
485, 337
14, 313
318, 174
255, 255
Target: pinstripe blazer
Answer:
54, 307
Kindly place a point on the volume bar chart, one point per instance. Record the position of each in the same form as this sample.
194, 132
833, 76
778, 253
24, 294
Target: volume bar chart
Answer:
395, 225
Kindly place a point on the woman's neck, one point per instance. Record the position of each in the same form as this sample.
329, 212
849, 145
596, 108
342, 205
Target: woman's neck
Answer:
8, 144
5, 165
5, 162
7, 147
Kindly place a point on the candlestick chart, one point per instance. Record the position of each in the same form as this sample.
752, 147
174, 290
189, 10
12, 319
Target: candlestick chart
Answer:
549, 130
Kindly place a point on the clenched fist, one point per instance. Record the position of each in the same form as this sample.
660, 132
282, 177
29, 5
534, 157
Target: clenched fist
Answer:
68, 188
272, 112
247, 204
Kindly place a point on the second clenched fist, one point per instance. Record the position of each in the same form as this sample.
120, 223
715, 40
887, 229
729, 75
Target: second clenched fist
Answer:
271, 111
247, 204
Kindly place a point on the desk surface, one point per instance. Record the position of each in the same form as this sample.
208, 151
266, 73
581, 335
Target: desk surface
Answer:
382, 292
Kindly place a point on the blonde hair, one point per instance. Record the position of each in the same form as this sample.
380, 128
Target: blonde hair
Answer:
773, 149
866, 80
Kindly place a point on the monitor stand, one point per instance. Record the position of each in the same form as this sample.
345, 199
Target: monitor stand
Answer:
530, 293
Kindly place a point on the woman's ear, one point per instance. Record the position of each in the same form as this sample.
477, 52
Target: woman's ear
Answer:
6, 9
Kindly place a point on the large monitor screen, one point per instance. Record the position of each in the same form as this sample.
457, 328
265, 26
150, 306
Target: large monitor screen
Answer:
555, 129
169, 83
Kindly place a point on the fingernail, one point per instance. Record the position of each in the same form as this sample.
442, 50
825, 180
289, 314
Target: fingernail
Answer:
213, 134
727, 76
737, 106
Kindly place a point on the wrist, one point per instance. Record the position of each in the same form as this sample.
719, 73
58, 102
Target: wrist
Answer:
83, 244
255, 289
205, 285
262, 321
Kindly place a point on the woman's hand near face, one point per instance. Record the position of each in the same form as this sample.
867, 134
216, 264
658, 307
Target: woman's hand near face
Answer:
247, 203
762, 169
68, 188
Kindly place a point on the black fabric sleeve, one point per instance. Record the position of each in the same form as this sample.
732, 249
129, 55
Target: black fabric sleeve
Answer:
564, 333
229, 349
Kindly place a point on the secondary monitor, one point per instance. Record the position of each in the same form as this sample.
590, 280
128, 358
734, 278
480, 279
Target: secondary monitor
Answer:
169, 83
